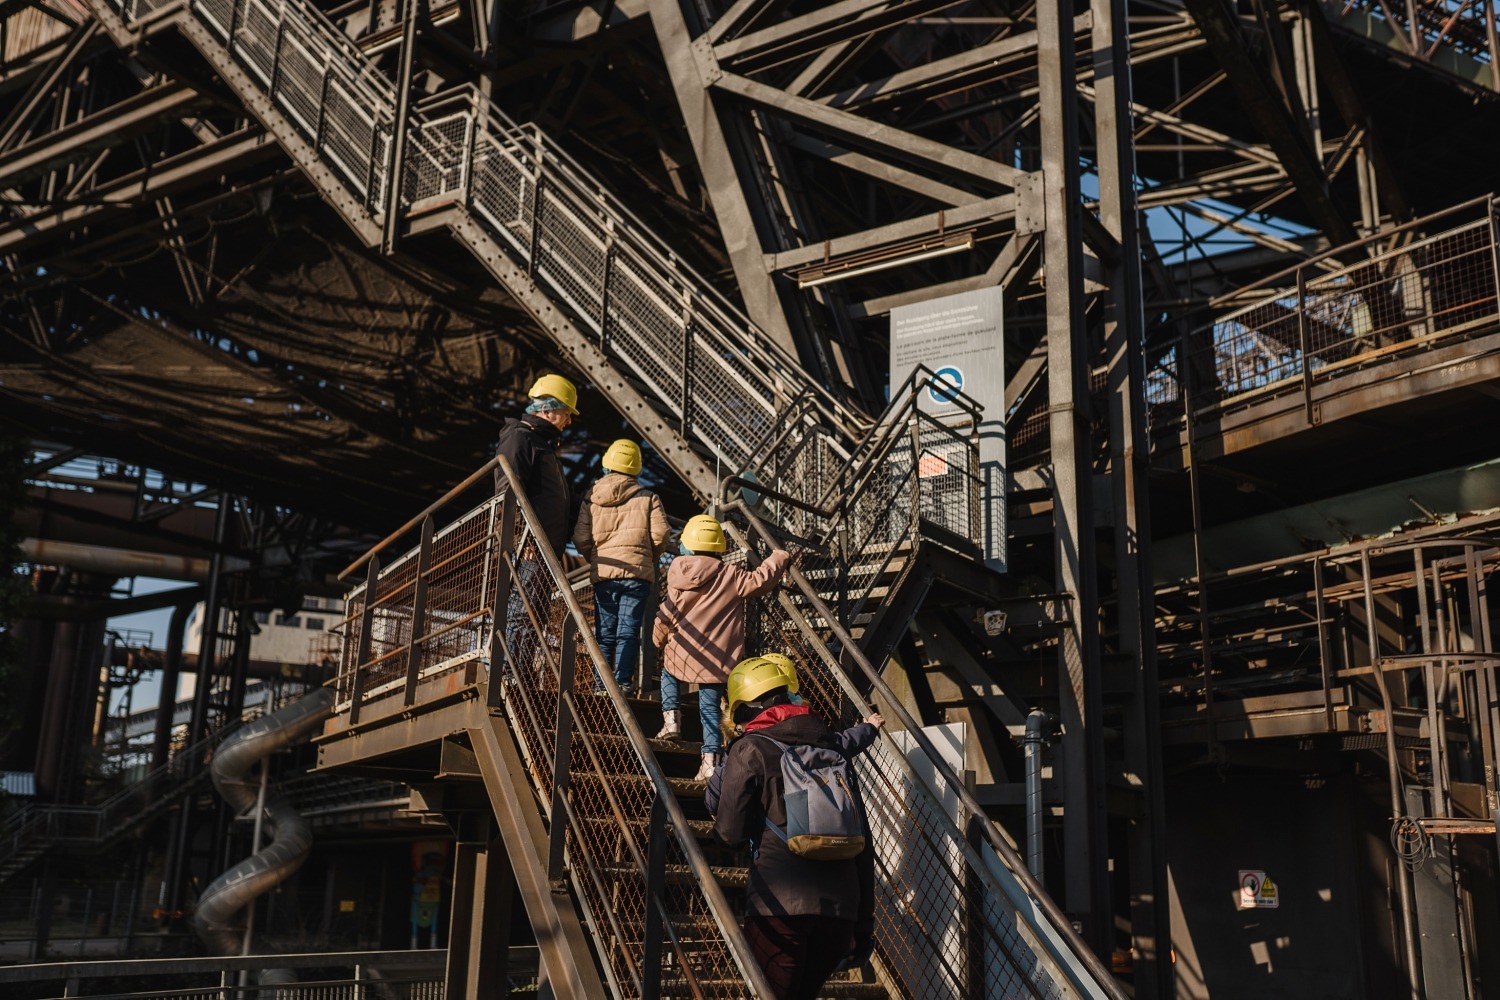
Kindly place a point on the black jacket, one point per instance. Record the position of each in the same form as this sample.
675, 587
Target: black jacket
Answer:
782, 883
530, 444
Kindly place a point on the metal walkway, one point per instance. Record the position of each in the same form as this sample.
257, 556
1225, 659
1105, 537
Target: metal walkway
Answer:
477, 647
688, 370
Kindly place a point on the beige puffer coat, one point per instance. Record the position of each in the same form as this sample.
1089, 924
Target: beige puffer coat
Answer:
622, 529
700, 624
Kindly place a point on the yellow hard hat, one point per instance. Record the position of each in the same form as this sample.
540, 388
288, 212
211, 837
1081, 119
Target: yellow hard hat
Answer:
788, 668
703, 534
623, 456
559, 389
751, 679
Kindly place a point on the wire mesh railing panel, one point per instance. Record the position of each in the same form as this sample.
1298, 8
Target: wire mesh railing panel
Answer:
299, 77
720, 409
1410, 294
570, 252
348, 136
610, 791
644, 326
457, 595
438, 159
550, 682
951, 917
217, 14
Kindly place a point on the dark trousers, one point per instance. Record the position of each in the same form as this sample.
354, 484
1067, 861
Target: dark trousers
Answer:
798, 954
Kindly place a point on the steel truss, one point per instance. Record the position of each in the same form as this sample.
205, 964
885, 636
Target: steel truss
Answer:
784, 144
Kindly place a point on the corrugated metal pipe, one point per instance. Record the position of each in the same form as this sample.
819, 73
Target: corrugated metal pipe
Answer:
291, 835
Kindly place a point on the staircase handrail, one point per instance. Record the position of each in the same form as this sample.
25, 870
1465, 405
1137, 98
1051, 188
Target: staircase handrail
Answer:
1284, 316
565, 167
718, 903
530, 687
837, 667
455, 142
41, 819
775, 372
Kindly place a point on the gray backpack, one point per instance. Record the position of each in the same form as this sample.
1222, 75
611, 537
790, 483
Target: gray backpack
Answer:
824, 818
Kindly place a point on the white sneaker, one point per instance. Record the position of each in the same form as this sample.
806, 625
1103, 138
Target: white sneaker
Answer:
706, 769
671, 727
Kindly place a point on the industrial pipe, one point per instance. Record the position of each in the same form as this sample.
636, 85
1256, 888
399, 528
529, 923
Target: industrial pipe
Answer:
1034, 739
121, 562
291, 835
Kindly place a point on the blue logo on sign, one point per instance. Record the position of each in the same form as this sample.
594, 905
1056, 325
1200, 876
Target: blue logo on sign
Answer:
955, 380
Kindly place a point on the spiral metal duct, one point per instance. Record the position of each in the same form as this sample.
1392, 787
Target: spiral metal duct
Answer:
290, 834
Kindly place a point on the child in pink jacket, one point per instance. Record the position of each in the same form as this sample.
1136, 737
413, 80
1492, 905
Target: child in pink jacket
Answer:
700, 627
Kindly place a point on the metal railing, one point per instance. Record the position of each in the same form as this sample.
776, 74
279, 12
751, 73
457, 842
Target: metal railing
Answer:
728, 387
398, 975
912, 480
41, 824
486, 595
722, 379
1408, 293
1424, 30
957, 912
953, 918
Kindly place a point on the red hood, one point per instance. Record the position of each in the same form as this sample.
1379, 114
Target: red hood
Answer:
775, 714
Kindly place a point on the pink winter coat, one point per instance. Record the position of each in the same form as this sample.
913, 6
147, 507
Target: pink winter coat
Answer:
700, 624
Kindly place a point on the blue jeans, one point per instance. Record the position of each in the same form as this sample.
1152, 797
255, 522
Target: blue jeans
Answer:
708, 708
619, 613
517, 622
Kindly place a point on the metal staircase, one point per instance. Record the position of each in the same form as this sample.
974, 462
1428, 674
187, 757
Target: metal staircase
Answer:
713, 394
688, 370
33, 831
464, 634
479, 631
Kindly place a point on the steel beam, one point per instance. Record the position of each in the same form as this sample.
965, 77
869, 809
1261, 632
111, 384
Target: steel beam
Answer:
880, 169
871, 135
566, 959
114, 125
170, 175
743, 225
1081, 708
932, 224
1260, 102
798, 37
1130, 451
945, 74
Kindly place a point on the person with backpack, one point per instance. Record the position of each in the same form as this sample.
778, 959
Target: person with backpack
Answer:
622, 530
700, 627
788, 789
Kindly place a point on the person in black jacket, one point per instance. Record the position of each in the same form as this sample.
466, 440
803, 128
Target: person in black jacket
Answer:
805, 918
530, 444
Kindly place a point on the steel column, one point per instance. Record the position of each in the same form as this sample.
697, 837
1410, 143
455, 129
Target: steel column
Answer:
1393, 768
362, 653
479, 922
1124, 337
719, 159
1084, 833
